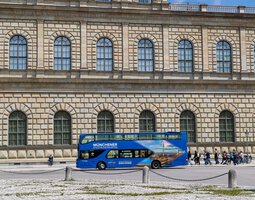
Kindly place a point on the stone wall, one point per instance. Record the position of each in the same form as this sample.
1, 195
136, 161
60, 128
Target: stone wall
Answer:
84, 108
84, 92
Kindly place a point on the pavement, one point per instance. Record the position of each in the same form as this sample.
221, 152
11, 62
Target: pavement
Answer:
85, 186
63, 163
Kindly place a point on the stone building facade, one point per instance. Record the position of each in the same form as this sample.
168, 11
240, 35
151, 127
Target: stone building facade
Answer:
32, 96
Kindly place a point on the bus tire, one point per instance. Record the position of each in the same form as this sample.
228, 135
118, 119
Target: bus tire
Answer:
101, 165
155, 164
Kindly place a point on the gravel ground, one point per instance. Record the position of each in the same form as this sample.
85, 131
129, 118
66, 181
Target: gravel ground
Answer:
117, 190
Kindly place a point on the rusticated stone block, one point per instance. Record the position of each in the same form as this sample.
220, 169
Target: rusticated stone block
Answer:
3, 154
39, 153
193, 149
21, 154
224, 149
74, 152
30, 154
58, 153
12, 154
67, 153
48, 153
201, 150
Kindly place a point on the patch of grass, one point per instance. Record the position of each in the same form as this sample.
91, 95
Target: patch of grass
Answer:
209, 187
229, 192
162, 187
8, 195
70, 180
134, 194
57, 185
29, 194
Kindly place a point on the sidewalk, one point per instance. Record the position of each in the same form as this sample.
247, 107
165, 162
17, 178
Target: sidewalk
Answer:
202, 163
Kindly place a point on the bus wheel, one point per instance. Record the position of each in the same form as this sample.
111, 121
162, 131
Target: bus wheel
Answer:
101, 165
155, 164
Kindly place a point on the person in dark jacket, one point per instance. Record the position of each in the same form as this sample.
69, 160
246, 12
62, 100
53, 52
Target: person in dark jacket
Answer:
216, 157
50, 160
207, 158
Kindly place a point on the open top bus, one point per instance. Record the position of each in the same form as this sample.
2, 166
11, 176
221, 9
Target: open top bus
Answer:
124, 150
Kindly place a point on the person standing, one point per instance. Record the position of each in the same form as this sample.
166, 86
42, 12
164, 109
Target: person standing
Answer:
216, 157
50, 160
189, 158
195, 158
234, 157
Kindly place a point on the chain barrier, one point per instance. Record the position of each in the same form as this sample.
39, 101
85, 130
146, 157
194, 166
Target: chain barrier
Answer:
41, 171
178, 179
118, 173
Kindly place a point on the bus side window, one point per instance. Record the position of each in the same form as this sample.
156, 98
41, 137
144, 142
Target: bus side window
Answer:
174, 137
149, 153
126, 154
131, 137
84, 155
142, 153
136, 153
87, 138
113, 154
159, 136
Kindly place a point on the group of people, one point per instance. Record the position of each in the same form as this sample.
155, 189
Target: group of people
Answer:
227, 157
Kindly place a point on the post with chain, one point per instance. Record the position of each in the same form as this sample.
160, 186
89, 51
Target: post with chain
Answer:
146, 174
232, 179
68, 175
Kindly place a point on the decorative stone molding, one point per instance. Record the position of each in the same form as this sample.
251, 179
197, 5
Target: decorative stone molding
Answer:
252, 55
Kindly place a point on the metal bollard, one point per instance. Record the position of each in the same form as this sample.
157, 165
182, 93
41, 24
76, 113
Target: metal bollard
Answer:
68, 176
146, 177
232, 179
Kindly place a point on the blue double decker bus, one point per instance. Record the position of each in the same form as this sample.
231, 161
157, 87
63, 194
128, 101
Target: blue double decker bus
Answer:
118, 150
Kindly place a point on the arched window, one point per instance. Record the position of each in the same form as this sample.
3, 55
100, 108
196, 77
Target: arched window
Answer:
18, 52
224, 57
145, 55
104, 55
147, 121
105, 122
226, 127
17, 128
185, 56
62, 128
62, 53
188, 124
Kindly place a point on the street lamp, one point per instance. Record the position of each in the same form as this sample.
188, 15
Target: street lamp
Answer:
246, 134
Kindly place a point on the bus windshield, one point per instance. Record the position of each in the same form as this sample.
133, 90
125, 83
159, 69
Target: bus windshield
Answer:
115, 150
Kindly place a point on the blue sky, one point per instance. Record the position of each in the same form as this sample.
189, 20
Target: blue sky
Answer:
249, 3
